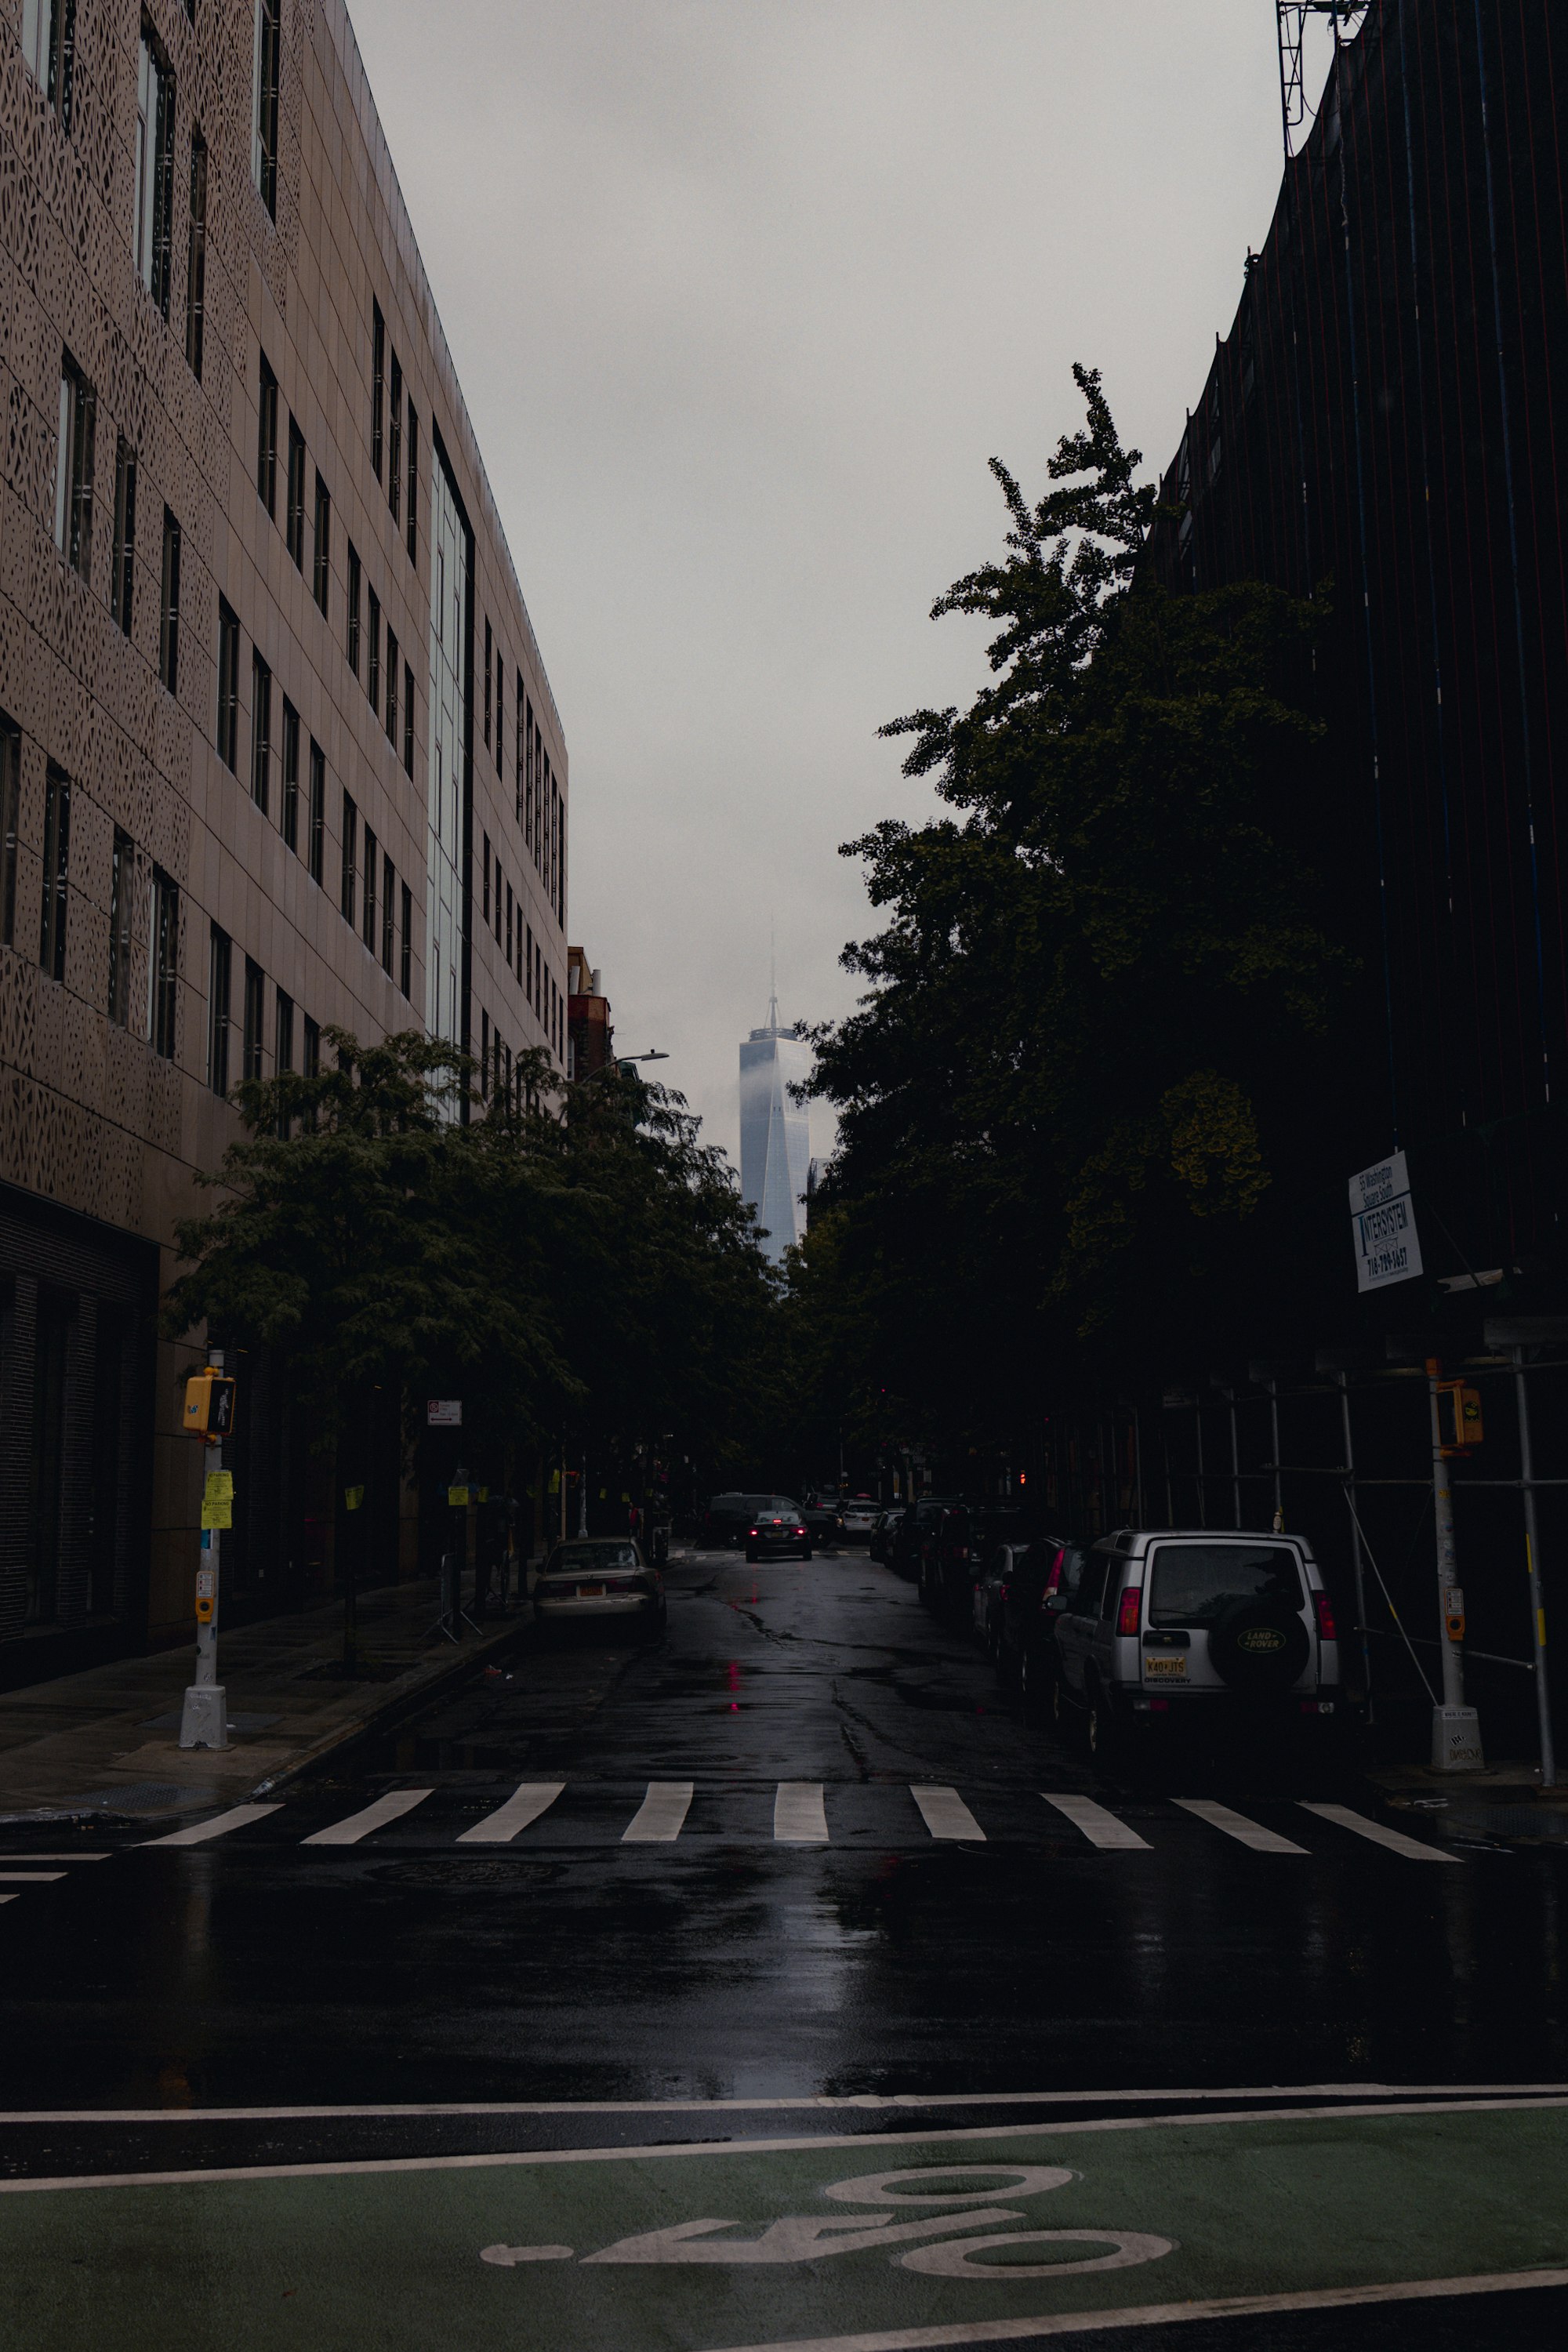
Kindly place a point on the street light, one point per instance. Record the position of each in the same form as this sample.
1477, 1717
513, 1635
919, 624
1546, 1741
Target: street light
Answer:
619, 1062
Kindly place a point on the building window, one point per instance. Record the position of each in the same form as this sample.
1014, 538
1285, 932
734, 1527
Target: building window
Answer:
317, 838
388, 909
121, 874
219, 958
370, 856
489, 651
73, 469
511, 955
392, 687
394, 444
255, 1008
518, 750
322, 562
350, 860
264, 119
196, 259
169, 605
294, 522
291, 775
153, 218
408, 717
377, 382
260, 732
10, 824
163, 963
486, 894
407, 927
373, 604
227, 683
310, 1060
122, 575
484, 1055
529, 967
267, 440
353, 609
412, 483
48, 45
57, 867
501, 712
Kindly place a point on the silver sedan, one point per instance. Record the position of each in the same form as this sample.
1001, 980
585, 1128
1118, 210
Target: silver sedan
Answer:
599, 1579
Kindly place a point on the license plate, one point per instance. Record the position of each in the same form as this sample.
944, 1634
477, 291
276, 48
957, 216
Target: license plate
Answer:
1169, 1668
590, 1593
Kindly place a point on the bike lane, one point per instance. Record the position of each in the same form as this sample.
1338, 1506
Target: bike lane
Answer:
890, 2238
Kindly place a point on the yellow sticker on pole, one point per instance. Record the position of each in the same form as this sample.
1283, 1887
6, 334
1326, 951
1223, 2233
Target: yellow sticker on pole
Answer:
217, 1515
352, 1497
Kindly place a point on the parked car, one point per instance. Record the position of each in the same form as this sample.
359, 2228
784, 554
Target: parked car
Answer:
823, 1523
778, 1528
916, 1533
1191, 1625
966, 1537
883, 1531
858, 1515
602, 1580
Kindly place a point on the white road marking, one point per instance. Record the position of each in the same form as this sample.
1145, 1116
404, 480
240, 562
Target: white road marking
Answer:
661, 1816
219, 1826
1413, 1849
1237, 1826
389, 1808
531, 1799
1100, 1827
808, 2102
1158, 2315
946, 1814
54, 1858
7, 1899
660, 2149
29, 1877
799, 1816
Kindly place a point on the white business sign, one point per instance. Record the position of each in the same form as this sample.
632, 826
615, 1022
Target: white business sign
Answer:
1382, 1223
443, 1413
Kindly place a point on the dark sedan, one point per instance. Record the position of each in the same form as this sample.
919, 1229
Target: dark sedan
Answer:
776, 1529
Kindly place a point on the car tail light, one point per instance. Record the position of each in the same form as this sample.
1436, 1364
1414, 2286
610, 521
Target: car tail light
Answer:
1053, 1582
1325, 1616
750, 1531
1127, 1613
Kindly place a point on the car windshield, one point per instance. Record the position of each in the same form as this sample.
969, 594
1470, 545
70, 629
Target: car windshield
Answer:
591, 1559
1194, 1583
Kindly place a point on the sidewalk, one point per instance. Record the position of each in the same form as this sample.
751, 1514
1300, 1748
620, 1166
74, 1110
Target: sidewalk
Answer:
106, 1742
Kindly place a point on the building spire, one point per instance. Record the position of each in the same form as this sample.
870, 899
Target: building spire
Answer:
772, 972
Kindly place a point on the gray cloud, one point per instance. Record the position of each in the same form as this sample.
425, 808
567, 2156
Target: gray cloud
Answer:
744, 295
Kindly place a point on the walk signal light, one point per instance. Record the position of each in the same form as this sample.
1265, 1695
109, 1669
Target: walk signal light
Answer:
1459, 1416
209, 1406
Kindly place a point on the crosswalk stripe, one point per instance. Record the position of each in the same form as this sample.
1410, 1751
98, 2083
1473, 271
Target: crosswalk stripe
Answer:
219, 1826
374, 1817
1237, 1826
7, 1899
946, 1814
661, 1816
799, 1817
528, 1800
29, 1877
1100, 1827
1413, 1849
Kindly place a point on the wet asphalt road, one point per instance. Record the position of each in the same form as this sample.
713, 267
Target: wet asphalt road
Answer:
748, 1957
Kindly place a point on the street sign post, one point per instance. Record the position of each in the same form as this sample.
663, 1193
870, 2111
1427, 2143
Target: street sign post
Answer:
1382, 1225
209, 1413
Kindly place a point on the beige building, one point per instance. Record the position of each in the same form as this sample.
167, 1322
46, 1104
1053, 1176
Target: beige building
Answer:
277, 746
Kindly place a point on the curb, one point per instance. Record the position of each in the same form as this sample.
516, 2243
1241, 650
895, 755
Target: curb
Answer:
396, 1702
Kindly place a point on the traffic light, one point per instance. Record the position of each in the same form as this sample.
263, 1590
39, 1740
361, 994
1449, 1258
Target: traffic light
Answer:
209, 1406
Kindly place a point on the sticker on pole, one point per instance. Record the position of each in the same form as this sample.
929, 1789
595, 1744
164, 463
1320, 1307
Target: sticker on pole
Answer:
443, 1413
1382, 1225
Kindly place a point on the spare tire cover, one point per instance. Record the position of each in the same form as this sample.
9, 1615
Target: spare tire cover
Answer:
1259, 1645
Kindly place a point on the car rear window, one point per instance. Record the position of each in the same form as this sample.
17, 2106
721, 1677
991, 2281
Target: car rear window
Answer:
1194, 1583
591, 1559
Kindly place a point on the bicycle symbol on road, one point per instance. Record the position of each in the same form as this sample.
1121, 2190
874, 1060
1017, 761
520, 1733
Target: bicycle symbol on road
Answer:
926, 2236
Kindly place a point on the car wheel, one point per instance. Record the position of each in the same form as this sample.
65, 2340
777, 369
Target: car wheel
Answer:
806, 1553
1102, 1733
1063, 1712
1031, 1683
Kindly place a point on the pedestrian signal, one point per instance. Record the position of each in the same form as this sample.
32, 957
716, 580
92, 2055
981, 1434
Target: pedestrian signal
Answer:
209, 1406
1459, 1416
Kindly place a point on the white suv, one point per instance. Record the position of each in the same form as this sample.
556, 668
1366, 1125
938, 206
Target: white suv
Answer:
1195, 1623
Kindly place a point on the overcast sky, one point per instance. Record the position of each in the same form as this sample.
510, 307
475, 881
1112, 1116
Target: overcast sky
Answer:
744, 295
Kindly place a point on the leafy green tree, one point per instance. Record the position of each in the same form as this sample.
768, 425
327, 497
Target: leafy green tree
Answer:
1089, 1075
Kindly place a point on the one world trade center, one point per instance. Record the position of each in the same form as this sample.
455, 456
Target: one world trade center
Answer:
775, 1146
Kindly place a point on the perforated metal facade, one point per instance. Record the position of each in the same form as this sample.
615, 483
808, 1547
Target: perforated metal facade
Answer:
228, 402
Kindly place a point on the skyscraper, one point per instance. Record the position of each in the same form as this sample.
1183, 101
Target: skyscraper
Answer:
775, 1141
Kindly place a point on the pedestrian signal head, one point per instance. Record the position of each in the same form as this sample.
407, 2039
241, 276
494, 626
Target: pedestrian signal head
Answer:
209, 1406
